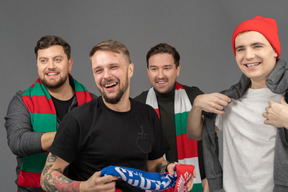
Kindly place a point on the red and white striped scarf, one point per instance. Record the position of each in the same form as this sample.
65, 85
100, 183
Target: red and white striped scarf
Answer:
187, 149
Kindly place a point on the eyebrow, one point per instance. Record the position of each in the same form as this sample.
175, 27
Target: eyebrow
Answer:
53, 57
168, 65
253, 44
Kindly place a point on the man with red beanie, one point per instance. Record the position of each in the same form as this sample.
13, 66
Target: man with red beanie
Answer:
255, 152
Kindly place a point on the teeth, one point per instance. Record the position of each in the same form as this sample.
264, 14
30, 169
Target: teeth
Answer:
110, 85
52, 73
161, 82
251, 65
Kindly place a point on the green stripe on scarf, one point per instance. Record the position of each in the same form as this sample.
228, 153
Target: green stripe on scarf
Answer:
37, 90
181, 122
48, 126
32, 164
43, 119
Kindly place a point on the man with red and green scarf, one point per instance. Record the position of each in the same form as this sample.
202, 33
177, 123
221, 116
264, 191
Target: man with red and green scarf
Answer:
33, 115
172, 102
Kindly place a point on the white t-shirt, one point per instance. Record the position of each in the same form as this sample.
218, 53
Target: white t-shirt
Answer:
248, 144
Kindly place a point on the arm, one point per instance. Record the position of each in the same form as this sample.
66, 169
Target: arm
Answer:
21, 138
213, 103
277, 114
160, 165
47, 140
157, 165
52, 178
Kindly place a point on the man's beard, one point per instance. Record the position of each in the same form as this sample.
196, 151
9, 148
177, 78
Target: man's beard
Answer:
117, 98
54, 85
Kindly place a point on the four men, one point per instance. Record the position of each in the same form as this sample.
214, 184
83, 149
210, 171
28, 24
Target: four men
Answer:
117, 130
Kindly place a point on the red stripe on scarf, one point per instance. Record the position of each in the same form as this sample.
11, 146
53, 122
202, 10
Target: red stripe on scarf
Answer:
37, 81
83, 97
190, 146
39, 104
157, 111
179, 86
29, 179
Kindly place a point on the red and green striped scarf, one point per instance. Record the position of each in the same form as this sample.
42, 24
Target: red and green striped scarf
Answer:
43, 119
187, 149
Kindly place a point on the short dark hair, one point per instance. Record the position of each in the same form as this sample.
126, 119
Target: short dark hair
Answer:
164, 48
49, 40
111, 45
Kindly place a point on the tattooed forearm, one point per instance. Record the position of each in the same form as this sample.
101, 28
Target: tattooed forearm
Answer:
159, 167
51, 158
52, 179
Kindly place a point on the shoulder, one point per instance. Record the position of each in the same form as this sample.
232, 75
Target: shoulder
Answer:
93, 95
143, 108
192, 92
86, 108
142, 97
17, 98
16, 104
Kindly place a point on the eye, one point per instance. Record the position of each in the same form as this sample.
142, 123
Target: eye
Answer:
43, 60
58, 60
153, 69
240, 49
167, 68
97, 71
258, 46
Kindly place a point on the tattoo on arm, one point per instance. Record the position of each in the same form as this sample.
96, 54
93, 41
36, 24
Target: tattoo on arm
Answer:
54, 180
159, 167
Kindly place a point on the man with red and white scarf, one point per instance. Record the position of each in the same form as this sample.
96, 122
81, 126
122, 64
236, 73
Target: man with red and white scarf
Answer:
33, 115
172, 102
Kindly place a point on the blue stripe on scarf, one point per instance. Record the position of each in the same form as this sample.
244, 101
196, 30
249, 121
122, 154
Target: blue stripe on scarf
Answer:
141, 179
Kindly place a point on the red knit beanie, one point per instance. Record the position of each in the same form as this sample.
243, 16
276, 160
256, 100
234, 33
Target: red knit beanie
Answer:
264, 25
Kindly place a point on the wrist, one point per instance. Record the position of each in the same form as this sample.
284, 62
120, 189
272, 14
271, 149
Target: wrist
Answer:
164, 168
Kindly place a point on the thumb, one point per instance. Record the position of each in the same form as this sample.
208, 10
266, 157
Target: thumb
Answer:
282, 100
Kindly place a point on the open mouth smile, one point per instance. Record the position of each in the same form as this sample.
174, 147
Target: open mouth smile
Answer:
252, 64
110, 85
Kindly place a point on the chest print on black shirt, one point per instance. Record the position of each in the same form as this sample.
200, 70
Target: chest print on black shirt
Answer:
143, 141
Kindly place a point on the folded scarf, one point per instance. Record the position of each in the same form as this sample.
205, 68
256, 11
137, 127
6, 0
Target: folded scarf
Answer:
153, 181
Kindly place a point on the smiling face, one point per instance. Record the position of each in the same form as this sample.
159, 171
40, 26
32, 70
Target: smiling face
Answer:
112, 73
255, 57
162, 72
53, 67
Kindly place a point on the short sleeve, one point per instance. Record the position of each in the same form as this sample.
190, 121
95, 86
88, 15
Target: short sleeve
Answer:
66, 139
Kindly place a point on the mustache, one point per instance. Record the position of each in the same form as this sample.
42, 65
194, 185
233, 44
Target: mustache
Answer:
105, 81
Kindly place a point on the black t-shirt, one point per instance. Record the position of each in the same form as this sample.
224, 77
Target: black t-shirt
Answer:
93, 136
62, 107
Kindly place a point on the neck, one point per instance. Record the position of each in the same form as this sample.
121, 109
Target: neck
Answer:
258, 85
123, 105
63, 93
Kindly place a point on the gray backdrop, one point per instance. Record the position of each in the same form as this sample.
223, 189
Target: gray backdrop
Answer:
201, 30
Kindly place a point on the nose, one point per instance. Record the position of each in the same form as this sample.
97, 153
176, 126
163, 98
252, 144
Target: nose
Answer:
106, 74
249, 54
160, 73
51, 64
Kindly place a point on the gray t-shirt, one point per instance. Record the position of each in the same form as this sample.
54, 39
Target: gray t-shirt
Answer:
248, 144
